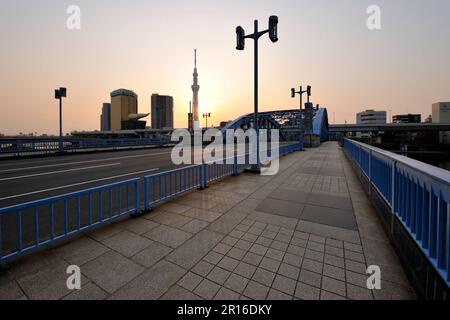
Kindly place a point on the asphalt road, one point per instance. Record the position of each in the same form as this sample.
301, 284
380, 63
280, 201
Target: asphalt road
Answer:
26, 180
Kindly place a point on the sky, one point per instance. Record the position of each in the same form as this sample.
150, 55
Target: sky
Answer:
147, 46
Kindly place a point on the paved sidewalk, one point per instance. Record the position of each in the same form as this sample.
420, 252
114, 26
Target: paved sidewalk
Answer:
308, 233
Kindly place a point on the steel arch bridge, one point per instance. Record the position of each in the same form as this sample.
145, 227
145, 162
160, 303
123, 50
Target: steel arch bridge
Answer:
291, 123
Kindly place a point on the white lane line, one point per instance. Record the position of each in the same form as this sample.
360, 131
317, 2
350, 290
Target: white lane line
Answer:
60, 171
77, 184
81, 162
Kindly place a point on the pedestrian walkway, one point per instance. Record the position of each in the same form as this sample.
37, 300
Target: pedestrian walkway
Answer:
307, 233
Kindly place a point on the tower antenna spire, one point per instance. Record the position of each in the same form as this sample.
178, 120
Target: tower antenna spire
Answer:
195, 58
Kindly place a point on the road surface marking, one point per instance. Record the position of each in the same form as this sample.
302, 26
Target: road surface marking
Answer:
76, 184
60, 171
81, 162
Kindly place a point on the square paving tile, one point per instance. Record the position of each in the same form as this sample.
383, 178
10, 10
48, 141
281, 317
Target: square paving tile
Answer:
194, 249
284, 284
195, 226
256, 291
289, 195
207, 289
264, 277
236, 283
292, 259
152, 254
289, 271
178, 293
151, 284
244, 269
127, 243
330, 201
190, 281
81, 250
307, 292
226, 294
218, 275
138, 225
333, 172
330, 216
333, 285
278, 295
168, 236
252, 258
281, 208
270, 264
228, 263
311, 278
111, 271
47, 284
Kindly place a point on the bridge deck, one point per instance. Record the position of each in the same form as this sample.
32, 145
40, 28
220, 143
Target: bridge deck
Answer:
307, 233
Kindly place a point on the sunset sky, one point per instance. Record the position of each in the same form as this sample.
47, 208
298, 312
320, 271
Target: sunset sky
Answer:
147, 46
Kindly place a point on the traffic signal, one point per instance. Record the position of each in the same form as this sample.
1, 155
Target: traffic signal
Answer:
309, 91
240, 38
273, 28
293, 93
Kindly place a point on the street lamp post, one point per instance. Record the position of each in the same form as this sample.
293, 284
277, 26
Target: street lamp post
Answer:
273, 35
59, 94
207, 115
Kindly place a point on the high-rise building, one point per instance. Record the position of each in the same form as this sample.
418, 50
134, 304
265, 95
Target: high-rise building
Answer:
162, 112
105, 118
407, 118
441, 112
371, 117
195, 90
124, 111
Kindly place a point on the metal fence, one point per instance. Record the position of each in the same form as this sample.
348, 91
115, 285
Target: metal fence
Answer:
26, 146
36, 224
418, 195
32, 225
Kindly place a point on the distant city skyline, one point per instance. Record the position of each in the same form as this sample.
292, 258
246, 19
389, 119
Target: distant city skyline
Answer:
402, 68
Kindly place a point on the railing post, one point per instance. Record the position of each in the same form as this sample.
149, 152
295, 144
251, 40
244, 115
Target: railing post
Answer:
235, 166
203, 176
146, 194
393, 193
370, 172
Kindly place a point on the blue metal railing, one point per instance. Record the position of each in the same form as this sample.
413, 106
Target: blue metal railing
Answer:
418, 195
20, 146
29, 226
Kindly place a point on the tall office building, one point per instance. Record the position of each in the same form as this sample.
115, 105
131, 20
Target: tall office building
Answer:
441, 112
162, 112
195, 90
105, 118
124, 111
371, 117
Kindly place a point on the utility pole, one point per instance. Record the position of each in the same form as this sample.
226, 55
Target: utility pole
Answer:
59, 94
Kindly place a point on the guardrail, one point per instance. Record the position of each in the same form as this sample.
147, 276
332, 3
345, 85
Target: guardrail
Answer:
21, 146
29, 226
418, 195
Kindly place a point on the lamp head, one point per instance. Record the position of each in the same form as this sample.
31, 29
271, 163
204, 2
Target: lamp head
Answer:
240, 38
273, 28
